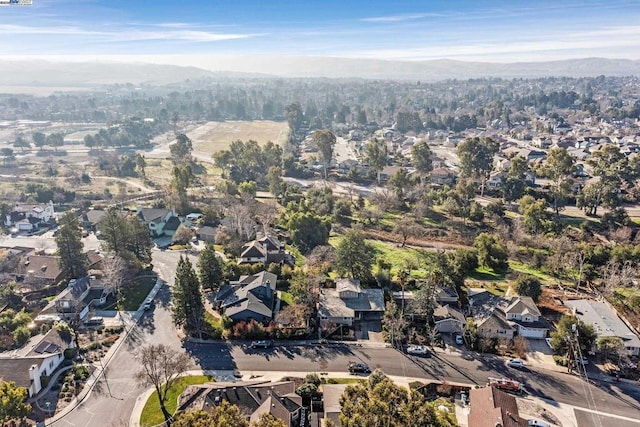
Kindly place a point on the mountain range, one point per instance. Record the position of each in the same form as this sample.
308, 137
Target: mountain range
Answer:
38, 72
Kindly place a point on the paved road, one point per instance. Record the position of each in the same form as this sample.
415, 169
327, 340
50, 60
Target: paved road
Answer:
155, 327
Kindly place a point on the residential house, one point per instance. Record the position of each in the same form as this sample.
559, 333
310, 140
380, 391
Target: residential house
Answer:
443, 176
331, 394
500, 317
447, 296
161, 222
267, 250
35, 272
28, 217
250, 297
495, 180
523, 313
253, 398
542, 142
606, 322
76, 300
491, 407
37, 359
349, 304
387, 172
206, 233
92, 218
448, 319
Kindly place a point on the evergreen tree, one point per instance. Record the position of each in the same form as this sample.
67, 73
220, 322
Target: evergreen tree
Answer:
70, 247
13, 402
188, 306
210, 268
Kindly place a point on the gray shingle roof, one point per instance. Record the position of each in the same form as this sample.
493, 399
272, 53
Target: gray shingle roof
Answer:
604, 320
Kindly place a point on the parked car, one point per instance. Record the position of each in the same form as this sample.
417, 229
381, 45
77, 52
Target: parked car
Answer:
147, 306
94, 322
515, 363
459, 339
261, 344
359, 368
418, 350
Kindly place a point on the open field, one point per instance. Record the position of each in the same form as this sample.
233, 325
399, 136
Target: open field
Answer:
216, 136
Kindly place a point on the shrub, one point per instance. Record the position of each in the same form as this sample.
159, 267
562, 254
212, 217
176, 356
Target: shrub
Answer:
44, 380
69, 353
560, 360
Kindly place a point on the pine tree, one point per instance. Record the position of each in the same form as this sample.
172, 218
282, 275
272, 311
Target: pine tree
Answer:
210, 268
70, 247
188, 306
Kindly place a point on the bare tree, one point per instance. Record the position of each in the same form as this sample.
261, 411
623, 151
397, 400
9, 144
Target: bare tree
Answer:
161, 367
114, 271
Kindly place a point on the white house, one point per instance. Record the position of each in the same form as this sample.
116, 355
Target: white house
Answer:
523, 313
26, 217
39, 358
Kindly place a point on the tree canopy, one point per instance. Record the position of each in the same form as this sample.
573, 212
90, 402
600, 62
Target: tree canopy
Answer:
70, 247
188, 305
354, 256
13, 402
476, 158
248, 161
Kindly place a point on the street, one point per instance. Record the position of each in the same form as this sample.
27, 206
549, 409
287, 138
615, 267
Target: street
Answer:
100, 409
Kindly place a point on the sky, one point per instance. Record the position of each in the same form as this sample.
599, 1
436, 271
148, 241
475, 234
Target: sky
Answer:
471, 30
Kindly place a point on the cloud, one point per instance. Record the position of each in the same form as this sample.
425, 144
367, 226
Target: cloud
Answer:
122, 35
400, 18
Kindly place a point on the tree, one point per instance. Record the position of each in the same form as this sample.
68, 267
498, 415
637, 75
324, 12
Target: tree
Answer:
610, 346
161, 367
421, 158
354, 256
325, 140
528, 286
564, 331
534, 214
70, 247
379, 402
141, 164
491, 251
268, 420
188, 306
181, 149
13, 402
223, 415
55, 140
274, 179
476, 158
376, 154
308, 230
126, 237
406, 227
210, 268
114, 272
558, 167
39, 139
400, 182
182, 236
610, 169
21, 143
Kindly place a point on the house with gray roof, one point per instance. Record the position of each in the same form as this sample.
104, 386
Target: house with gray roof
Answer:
250, 297
253, 398
36, 359
448, 320
606, 322
504, 317
350, 304
267, 250
161, 222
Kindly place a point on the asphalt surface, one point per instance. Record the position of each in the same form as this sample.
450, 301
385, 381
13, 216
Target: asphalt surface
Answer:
104, 409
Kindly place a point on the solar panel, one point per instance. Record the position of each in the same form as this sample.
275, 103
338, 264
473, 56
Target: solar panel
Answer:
41, 348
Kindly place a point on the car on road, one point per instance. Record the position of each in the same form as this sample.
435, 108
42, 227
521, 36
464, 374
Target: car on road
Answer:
146, 306
515, 363
359, 368
417, 350
261, 344
94, 322
459, 339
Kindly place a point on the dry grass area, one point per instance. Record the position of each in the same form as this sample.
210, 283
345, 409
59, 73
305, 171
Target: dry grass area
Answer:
216, 136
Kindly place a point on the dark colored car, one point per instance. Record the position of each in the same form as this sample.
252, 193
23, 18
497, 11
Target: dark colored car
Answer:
261, 344
359, 368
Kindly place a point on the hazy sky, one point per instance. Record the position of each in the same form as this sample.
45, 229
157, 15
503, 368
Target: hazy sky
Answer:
497, 31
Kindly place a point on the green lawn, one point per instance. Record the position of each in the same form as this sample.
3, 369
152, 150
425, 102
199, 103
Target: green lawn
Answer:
134, 293
523, 268
152, 415
215, 322
484, 273
342, 380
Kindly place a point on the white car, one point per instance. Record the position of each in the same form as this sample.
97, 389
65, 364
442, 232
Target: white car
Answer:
418, 350
515, 363
459, 340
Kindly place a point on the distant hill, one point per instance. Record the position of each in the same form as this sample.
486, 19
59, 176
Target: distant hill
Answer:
34, 73
423, 70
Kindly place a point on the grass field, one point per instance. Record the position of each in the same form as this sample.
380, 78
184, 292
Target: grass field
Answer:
216, 136
152, 415
134, 292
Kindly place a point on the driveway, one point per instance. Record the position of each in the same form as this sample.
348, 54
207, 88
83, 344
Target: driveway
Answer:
540, 354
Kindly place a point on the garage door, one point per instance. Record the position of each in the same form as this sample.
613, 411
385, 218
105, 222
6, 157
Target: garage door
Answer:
532, 333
